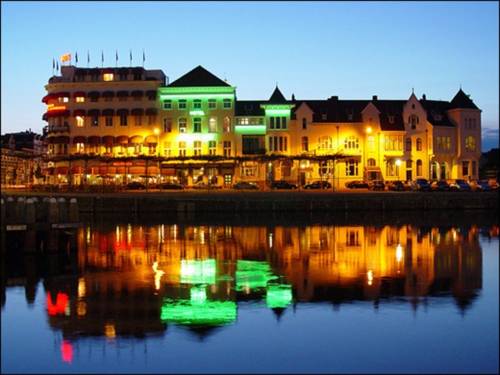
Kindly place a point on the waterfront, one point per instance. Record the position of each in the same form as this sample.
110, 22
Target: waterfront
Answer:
244, 296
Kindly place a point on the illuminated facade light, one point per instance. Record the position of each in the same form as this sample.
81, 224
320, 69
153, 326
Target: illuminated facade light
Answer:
368, 130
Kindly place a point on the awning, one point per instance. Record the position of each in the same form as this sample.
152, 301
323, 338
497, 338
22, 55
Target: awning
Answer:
79, 139
122, 111
121, 140
94, 94
48, 97
151, 111
62, 94
136, 139
151, 139
79, 112
94, 140
108, 140
137, 93
108, 112
168, 171
137, 111
122, 94
76, 169
56, 114
93, 112
79, 94
108, 94
137, 170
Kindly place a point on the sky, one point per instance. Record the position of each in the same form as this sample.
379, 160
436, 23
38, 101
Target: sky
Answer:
312, 49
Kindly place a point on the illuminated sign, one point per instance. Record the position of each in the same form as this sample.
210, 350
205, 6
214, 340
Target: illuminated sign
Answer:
52, 107
197, 112
279, 295
198, 271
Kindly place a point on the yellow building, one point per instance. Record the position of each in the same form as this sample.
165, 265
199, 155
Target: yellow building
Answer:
120, 124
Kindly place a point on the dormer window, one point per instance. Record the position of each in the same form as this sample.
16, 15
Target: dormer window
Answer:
350, 116
323, 116
391, 119
438, 117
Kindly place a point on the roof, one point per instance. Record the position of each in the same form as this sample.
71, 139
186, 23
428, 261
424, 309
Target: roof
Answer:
391, 114
277, 97
462, 100
249, 108
199, 76
436, 112
334, 110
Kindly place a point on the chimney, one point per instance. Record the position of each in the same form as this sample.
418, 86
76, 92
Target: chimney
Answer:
374, 98
423, 97
334, 98
293, 97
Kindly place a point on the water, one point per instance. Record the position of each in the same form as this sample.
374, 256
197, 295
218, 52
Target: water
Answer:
124, 297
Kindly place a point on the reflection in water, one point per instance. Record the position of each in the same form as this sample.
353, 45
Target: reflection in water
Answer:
134, 280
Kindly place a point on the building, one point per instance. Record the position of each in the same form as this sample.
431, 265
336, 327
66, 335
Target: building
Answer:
115, 125
22, 163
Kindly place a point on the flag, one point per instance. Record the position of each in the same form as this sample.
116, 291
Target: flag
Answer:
53, 63
88, 57
130, 57
66, 57
116, 56
143, 57
76, 57
102, 56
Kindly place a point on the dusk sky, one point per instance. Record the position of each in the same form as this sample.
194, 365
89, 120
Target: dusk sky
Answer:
314, 50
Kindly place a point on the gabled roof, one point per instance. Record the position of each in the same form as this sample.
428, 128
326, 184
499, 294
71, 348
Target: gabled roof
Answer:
249, 108
277, 97
334, 110
436, 112
461, 100
391, 114
199, 76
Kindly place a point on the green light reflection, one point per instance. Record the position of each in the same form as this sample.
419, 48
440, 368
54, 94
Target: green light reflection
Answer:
198, 271
251, 274
279, 295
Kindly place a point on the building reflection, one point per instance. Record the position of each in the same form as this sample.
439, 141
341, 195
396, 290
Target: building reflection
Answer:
136, 280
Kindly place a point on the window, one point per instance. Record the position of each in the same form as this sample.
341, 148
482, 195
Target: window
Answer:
212, 125
351, 143
108, 98
413, 121
197, 125
167, 125
79, 99
408, 164
392, 169
465, 168
323, 116
197, 104
212, 147
325, 143
286, 168
167, 104
419, 144
271, 123
151, 119
408, 144
80, 147
109, 120
167, 149
444, 143
278, 143
80, 120
197, 148
419, 167
95, 121
123, 119
371, 162
94, 99
107, 77
470, 143
304, 123
305, 144
182, 104
182, 125
352, 238
212, 104
226, 103
249, 169
243, 121
123, 76
351, 167
227, 148
63, 99
393, 143
371, 143
391, 119
182, 148
227, 125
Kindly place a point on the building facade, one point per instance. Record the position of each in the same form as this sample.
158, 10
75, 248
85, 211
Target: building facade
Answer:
115, 125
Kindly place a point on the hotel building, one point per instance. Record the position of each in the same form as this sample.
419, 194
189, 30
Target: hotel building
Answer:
115, 125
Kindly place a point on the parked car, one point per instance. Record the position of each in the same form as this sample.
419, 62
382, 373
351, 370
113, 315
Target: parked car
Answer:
481, 185
460, 185
396, 186
357, 185
282, 185
135, 185
377, 185
493, 184
243, 185
440, 185
204, 185
318, 185
421, 184
170, 186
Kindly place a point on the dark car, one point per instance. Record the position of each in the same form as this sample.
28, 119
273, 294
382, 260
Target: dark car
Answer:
460, 185
396, 186
318, 185
135, 185
357, 185
421, 184
440, 185
282, 185
481, 185
377, 185
243, 185
204, 185
170, 186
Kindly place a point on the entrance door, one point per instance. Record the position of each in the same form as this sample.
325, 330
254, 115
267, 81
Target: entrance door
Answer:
408, 175
302, 178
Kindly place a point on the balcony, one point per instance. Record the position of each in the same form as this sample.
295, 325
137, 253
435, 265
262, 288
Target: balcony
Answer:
58, 129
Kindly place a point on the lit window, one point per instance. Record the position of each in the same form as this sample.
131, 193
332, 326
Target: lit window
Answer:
227, 125
212, 147
470, 143
167, 149
197, 148
226, 103
227, 148
197, 104
182, 104
197, 125
182, 125
107, 76
167, 125
167, 104
351, 143
351, 167
212, 104
419, 167
79, 99
63, 99
80, 121
182, 148
80, 147
212, 125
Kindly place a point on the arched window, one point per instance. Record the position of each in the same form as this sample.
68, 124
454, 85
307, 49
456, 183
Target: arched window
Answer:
419, 144
351, 143
470, 143
419, 167
212, 125
371, 162
408, 144
325, 142
227, 125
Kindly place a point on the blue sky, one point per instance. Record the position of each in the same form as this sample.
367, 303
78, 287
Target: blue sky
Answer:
312, 49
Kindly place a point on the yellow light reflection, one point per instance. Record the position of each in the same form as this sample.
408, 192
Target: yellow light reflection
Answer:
158, 274
81, 308
81, 287
109, 330
369, 276
399, 253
